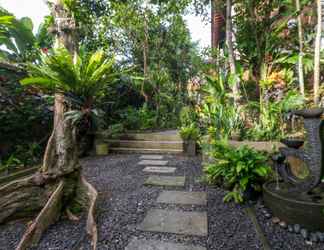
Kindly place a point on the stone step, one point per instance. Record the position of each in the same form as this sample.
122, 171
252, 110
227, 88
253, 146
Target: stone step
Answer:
177, 222
183, 198
155, 136
144, 150
152, 136
153, 162
159, 170
174, 145
167, 181
141, 244
151, 157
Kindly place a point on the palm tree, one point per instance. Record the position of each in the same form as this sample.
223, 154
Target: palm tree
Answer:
77, 80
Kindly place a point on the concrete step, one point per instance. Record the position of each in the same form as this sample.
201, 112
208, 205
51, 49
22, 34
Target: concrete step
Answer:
176, 145
121, 150
161, 136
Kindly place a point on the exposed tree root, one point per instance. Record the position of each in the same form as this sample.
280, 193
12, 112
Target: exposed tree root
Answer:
48, 215
71, 216
91, 222
23, 198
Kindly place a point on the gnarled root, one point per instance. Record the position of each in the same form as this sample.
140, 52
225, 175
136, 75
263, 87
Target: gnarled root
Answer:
26, 197
92, 196
48, 215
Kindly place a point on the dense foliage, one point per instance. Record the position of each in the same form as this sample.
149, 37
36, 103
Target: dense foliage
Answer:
237, 169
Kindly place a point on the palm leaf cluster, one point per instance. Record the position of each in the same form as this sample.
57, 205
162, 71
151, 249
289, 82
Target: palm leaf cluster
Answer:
16, 35
83, 78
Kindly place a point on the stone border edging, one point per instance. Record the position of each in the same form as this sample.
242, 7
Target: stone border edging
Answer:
252, 215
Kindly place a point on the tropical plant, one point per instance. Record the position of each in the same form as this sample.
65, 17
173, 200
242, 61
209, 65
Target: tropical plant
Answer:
189, 133
217, 111
82, 80
270, 124
16, 35
188, 116
237, 169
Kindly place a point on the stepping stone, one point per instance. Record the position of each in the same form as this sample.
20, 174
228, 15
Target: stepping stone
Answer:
153, 162
177, 222
170, 181
151, 157
186, 198
137, 244
161, 170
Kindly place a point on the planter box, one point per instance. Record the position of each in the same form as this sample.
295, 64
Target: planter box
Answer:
268, 146
102, 149
190, 148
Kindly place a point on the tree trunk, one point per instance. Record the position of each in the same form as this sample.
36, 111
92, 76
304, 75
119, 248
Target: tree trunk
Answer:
145, 56
217, 22
317, 56
301, 50
58, 184
231, 56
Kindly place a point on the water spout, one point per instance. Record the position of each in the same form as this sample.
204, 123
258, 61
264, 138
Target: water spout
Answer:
277, 178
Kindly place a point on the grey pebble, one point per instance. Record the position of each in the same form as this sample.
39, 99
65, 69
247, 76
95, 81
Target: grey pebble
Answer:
283, 224
313, 237
290, 229
296, 228
304, 233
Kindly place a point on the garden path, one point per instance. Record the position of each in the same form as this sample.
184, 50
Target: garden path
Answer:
167, 220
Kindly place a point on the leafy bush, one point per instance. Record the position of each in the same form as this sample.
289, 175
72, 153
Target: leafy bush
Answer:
139, 119
271, 122
218, 112
114, 130
237, 169
188, 116
189, 133
25, 120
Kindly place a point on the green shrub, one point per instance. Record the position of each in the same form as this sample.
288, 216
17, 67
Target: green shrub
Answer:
114, 130
189, 133
188, 116
237, 169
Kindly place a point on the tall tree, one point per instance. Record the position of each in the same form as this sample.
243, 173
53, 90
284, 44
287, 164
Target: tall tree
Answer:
231, 55
317, 56
301, 49
145, 50
217, 21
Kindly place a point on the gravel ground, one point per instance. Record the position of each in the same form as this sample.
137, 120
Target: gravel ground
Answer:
280, 238
229, 226
124, 202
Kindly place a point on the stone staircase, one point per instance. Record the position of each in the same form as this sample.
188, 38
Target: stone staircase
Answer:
165, 142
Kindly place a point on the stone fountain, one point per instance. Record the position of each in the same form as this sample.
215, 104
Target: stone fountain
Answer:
298, 197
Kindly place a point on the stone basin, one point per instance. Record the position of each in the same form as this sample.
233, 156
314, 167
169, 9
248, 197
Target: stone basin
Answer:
305, 209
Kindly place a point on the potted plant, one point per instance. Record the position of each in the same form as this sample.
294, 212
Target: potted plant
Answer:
190, 136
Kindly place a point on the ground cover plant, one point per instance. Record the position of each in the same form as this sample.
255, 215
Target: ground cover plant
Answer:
237, 169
